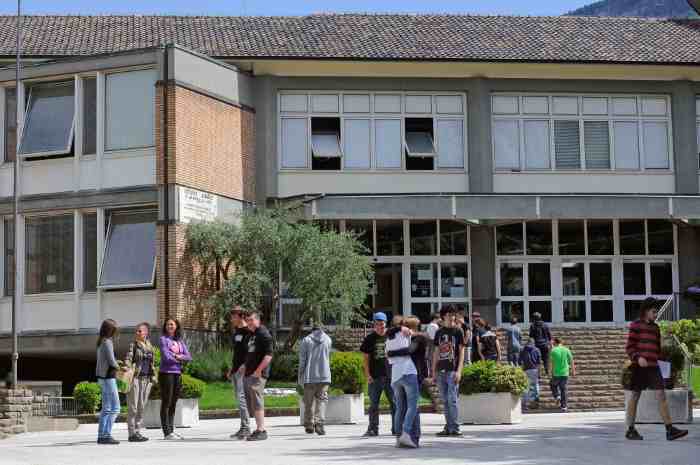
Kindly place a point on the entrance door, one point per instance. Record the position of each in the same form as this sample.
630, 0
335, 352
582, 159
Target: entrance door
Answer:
388, 295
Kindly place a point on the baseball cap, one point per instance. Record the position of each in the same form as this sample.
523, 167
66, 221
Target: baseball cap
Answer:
379, 316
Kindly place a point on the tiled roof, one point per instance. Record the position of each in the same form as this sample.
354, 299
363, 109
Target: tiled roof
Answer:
369, 37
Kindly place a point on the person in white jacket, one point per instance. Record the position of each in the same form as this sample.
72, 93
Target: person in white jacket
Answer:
315, 377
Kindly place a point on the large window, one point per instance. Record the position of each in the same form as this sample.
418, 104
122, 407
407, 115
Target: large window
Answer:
50, 121
130, 251
89, 116
525, 289
581, 132
49, 257
10, 124
90, 252
130, 110
372, 131
9, 256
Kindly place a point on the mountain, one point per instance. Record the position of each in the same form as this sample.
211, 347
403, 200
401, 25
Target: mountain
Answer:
646, 8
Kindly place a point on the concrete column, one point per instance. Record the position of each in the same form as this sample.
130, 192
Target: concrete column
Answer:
484, 272
479, 142
265, 139
685, 147
688, 263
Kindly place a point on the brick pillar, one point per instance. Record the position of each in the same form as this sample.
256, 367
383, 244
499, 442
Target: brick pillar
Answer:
15, 408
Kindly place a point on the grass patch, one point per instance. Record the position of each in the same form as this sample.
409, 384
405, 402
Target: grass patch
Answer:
695, 381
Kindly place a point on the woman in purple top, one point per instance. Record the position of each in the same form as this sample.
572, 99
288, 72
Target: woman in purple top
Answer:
173, 352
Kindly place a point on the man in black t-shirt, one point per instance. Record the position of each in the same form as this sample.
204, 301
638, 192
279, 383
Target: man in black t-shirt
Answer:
377, 373
239, 344
257, 369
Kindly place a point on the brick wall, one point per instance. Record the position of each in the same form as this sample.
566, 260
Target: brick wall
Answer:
15, 408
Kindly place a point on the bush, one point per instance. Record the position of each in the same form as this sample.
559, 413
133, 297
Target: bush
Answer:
192, 388
347, 372
88, 396
284, 367
210, 366
489, 376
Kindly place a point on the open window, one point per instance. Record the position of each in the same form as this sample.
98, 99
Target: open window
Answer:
130, 251
325, 144
419, 143
50, 122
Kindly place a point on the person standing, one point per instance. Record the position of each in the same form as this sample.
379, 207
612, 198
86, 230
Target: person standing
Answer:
489, 347
257, 370
377, 374
141, 357
562, 365
404, 383
463, 322
173, 356
530, 359
513, 338
430, 330
644, 349
476, 332
239, 343
448, 362
106, 371
539, 331
315, 378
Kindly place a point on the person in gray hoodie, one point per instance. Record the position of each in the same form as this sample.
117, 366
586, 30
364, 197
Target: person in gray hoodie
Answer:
315, 377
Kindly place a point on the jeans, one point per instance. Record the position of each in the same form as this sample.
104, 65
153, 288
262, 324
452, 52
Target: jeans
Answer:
375, 389
170, 386
406, 397
514, 358
110, 407
533, 385
136, 401
449, 391
239, 393
558, 385
544, 352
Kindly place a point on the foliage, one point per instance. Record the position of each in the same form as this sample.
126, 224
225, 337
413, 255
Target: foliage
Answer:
688, 334
489, 376
210, 366
156, 357
87, 396
192, 388
347, 372
284, 366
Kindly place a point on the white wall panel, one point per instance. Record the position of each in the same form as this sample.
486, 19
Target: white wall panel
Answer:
131, 307
46, 312
90, 316
6, 181
44, 176
5, 315
584, 183
134, 169
88, 173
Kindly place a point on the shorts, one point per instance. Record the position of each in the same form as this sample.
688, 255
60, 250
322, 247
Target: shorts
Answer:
254, 393
646, 378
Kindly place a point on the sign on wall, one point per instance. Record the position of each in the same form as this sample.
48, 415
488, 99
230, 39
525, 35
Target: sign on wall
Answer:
196, 205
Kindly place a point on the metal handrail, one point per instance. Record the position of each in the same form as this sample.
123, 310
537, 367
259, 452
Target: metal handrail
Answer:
688, 358
668, 304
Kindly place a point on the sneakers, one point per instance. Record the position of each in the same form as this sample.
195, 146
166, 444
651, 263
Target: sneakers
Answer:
320, 430
674, 433
137, 438
370, 433
179, 436
309, 429
406, 441
109, 440
444, 433
171, 437
564, 409
257, 436
633, 435
456, 434
241, 434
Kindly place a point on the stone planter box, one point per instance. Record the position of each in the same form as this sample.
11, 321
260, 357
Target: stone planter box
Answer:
680, 405
347, 409
186, 413
490, 409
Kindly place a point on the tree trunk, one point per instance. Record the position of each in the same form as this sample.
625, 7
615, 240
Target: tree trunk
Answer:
296, 332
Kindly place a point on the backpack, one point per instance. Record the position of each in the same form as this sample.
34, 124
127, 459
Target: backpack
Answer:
540, 333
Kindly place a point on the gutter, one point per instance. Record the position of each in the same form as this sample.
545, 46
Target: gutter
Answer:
166, 187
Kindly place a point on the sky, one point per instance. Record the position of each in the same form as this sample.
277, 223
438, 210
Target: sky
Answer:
290, 7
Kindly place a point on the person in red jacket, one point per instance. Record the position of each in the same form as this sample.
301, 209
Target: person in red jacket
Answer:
644, 348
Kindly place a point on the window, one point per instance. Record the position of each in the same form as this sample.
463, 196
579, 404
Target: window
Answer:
423, 236
660, 237
538, 237
387, 143
536, 139
90, 252
509, 239
587, 284
643, 278
656, 153
9, 256
646, 237
10, 124
325, 144
626, 145
424, 280
567, 151
453, 238
450, 140
294, 148
632, 237
363, 231
130, 110
596, 144
389, 237
357, 147
89, 116
130, 251
420, 148
506, 143
600, 237
524, 287
453, 280
50, 120
49, 258
572, 238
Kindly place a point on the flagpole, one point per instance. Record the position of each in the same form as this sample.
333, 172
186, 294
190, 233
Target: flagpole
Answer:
15, 194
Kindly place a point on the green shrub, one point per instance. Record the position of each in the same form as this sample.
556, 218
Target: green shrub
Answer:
210, 366
347, 372
489, 376
284, 367
192, 388
156, 356
88, 396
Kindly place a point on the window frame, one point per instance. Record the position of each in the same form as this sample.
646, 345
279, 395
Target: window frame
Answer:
25, 267
102, 100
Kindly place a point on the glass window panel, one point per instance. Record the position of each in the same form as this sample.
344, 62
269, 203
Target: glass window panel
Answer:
387, 143
130, 110
634, 277
130, 251
363, 232
600, 237
574, 311
512, 279
419, 143
601, 310
388, 289
49, 122
453, 238
632, 237
49, 254
539, 237
596, 144
389, 237
451, 143
90, 253
536, 140
510, 309
9, 257
660, 237
509, 239
601, 278
294, 137
626, 145
572, 238
573, 279
544, 308
661, 278
325, 145
89, 116
539, 279
424, 280
357, 147
455, 282
632, 309
506, 141
423, 237
10, 124
567, 146
655, 134
424, 310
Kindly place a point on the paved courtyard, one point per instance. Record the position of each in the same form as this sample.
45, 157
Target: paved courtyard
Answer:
575, 438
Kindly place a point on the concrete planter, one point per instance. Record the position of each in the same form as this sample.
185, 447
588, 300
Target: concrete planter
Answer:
680, 405
186, 413
347, 409
490, 409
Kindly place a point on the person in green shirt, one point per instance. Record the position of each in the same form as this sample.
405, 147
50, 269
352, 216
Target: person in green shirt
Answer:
562, 362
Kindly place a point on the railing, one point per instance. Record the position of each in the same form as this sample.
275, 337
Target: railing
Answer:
57, 407
672, 310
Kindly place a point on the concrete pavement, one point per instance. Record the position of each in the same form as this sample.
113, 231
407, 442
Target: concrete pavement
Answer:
542, 439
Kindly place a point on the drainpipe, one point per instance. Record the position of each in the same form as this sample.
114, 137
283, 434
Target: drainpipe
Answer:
166, 189
15, 195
